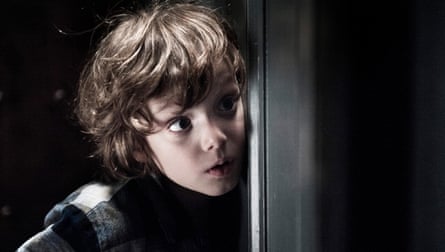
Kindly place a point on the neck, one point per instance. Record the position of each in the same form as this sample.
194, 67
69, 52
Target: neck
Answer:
217, 217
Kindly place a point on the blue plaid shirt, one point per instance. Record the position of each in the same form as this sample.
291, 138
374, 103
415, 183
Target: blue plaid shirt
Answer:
134, 215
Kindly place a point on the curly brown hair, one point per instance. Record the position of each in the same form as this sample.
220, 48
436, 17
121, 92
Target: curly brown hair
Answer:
166, 50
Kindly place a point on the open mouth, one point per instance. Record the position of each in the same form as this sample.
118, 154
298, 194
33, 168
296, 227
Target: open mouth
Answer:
220, 170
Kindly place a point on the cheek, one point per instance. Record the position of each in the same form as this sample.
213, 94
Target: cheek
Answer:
160, 149
238, 129
168, 153
241, 119
240, 115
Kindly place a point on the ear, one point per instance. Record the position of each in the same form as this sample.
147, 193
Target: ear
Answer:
140, 156
139, 123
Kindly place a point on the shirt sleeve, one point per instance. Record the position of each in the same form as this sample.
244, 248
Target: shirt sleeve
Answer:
46, 240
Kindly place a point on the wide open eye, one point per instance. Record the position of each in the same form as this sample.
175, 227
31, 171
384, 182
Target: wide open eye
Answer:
227, 103
180, 124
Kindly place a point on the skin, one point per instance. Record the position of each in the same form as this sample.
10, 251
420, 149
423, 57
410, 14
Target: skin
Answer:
202, 147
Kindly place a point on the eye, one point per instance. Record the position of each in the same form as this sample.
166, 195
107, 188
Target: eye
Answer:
180, 124
227, 103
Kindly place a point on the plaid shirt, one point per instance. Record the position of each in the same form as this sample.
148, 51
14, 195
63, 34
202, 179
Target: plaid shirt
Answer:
134, 215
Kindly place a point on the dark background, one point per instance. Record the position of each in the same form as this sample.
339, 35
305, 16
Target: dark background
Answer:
43, 155
381, 97
381, 101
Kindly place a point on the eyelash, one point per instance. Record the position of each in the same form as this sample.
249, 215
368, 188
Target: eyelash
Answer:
179, 120
231, 98
176, 122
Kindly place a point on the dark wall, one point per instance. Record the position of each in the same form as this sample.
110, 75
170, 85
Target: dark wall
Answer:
428, 182
380, 71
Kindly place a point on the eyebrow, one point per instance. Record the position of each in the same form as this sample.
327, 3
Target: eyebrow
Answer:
165, 112
228, 86
226, 77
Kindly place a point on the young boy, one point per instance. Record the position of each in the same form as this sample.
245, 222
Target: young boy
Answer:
162, 97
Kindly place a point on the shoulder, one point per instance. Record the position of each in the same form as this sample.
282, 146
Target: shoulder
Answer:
86, 200
46, 240
93, 218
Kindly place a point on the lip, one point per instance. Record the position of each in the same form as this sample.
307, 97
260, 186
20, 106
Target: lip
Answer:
221, 168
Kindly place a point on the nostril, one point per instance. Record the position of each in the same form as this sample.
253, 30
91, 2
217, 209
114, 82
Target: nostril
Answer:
213, 137
214, 142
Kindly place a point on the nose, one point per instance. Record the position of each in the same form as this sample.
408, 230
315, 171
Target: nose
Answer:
212, 136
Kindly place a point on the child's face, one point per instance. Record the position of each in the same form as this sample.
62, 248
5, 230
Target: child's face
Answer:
202, 147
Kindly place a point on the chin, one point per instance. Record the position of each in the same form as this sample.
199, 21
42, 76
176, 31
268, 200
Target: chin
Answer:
219, 190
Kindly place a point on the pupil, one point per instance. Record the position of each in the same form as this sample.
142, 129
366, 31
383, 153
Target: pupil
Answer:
227, 104
183, 123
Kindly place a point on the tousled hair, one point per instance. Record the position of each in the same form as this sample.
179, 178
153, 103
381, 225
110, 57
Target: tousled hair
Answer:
167, 50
